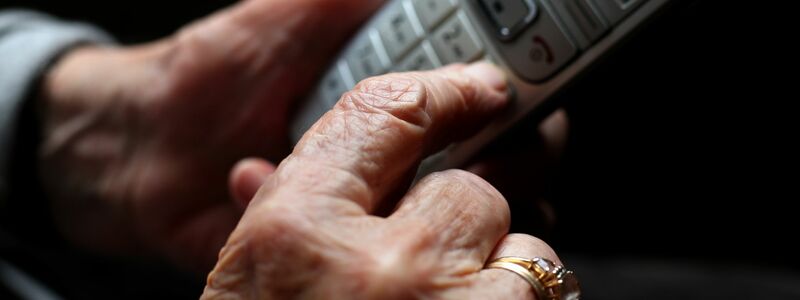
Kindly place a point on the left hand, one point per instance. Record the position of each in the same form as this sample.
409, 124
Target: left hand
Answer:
138, 142
311, 231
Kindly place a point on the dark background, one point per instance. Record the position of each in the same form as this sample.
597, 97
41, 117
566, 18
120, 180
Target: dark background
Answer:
678, 147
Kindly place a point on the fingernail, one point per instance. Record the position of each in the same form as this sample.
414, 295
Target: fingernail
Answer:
489, 74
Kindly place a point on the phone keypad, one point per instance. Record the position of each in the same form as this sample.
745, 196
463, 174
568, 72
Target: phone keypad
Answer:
455, 41
411, 35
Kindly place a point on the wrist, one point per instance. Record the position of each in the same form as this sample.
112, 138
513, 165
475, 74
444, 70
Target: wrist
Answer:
74, 84
81, 110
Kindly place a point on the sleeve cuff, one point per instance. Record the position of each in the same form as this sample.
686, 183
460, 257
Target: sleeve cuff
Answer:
29, 42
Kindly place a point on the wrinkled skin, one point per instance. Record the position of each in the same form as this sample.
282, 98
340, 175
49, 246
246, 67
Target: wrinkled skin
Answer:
139, 141
310, 233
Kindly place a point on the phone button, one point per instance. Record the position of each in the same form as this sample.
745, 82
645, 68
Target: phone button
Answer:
540, 51
510, 16
364, 59
422, 58
432, 12
455, 41
397, 32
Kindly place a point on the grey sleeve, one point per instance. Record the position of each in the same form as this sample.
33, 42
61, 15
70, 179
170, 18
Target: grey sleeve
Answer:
29, 41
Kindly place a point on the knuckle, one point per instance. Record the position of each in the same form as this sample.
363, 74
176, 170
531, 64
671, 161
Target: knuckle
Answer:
279, 228
398, 267
241, 53
526, 240
269, 233
473, 198
400, 97
531, 244
387, 270
474, 186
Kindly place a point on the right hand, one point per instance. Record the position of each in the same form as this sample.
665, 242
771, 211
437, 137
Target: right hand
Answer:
310, 231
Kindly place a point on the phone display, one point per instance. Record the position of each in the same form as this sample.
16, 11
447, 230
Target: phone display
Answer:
541, 44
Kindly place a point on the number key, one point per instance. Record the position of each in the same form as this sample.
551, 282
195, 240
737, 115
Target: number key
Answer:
456, 42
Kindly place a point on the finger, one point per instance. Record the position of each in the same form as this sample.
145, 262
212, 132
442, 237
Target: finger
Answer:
246, 178
380, 131
501, 283
519, 245
554, 131
465, 213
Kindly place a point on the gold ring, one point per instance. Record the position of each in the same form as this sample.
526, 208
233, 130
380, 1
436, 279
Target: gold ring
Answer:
548, 280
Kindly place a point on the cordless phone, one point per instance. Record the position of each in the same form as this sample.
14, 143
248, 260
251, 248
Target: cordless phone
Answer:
541, 44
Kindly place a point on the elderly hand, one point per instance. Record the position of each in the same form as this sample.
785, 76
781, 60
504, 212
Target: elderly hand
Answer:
311, 232
138, 142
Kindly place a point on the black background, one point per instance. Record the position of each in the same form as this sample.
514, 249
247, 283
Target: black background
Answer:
678, 145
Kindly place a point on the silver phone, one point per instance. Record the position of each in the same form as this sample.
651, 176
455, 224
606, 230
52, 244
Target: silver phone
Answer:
541, 44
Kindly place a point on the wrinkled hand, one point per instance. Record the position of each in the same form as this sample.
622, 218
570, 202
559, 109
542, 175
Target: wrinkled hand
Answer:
310, 231
138, 142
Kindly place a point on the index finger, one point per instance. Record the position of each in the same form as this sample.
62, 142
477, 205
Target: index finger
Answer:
378, 133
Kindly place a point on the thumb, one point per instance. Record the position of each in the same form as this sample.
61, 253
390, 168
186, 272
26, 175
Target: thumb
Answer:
246, 179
